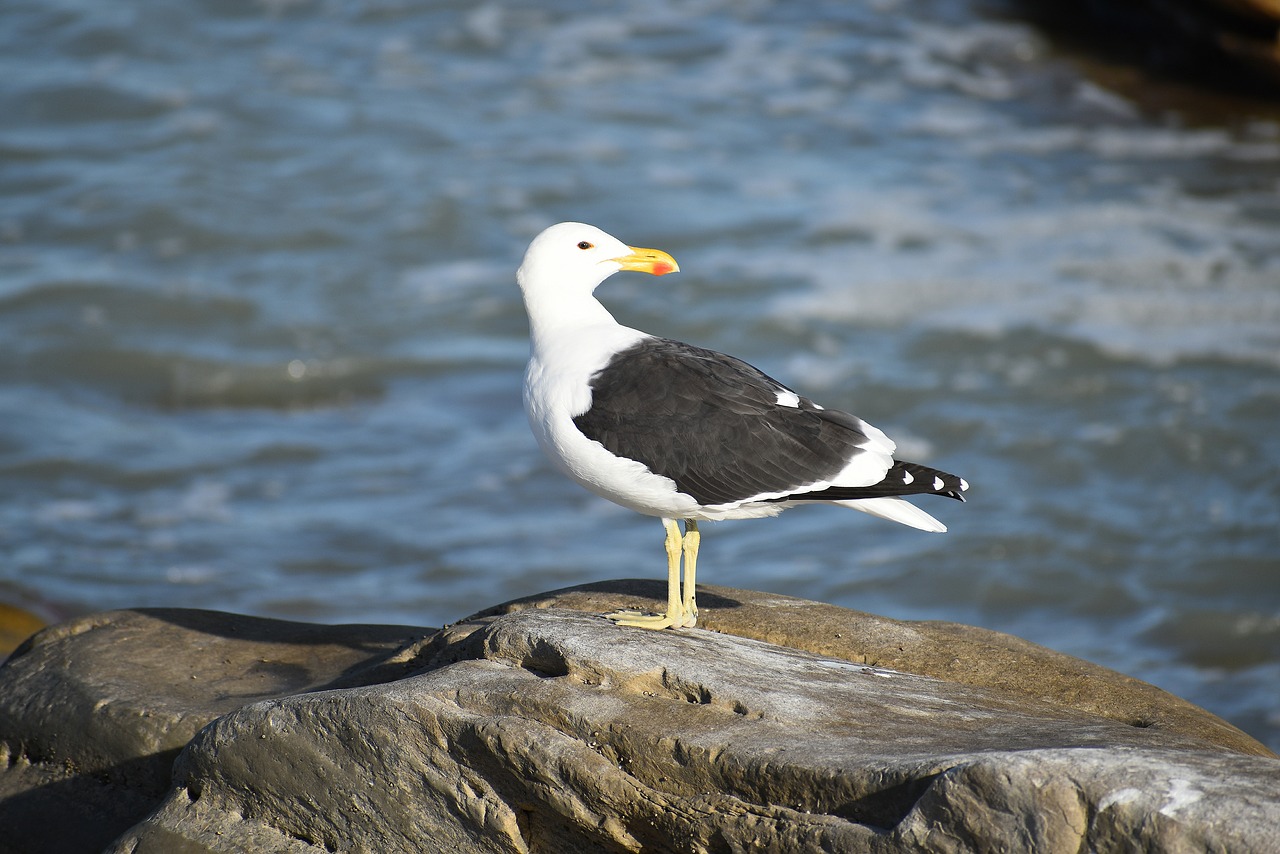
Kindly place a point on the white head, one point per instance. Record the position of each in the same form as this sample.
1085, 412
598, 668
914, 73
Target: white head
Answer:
568, 261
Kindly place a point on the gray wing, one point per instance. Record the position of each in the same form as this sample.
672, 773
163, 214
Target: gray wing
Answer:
713, 424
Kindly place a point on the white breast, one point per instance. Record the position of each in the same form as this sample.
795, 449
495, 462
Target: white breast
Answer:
557, 388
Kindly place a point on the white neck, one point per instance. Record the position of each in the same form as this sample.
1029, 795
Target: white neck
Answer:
562, 316
560, 310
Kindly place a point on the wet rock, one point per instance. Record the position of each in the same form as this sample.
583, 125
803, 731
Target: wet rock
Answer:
538, 727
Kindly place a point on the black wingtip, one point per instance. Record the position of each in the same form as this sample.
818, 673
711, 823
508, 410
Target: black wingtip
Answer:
903, 479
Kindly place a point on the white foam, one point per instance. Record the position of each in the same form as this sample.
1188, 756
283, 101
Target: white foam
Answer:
1170, 278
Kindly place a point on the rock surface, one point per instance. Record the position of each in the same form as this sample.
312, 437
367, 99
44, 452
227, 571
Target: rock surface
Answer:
537, 727
94, 711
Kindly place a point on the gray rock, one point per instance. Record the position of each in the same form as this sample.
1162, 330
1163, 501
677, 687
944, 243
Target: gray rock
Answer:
538, 728
951, 651
94, 711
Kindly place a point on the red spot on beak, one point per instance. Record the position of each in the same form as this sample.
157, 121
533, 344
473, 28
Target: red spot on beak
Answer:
662, 268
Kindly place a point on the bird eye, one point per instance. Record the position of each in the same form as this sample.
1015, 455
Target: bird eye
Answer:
585, 245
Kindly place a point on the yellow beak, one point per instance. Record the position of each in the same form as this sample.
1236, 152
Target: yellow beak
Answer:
653, 261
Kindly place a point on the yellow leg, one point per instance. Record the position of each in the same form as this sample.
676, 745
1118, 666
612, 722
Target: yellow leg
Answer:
675, 615
690, 603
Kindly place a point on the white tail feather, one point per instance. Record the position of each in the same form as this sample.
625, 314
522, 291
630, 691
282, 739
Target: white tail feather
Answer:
896, 510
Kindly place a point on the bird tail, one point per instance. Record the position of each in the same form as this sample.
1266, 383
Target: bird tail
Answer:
896, 510
901, 479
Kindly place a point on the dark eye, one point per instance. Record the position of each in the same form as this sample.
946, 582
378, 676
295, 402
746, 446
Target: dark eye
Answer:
585, 245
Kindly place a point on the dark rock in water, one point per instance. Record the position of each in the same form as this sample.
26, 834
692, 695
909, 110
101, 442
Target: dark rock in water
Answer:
1235, 43
537, 727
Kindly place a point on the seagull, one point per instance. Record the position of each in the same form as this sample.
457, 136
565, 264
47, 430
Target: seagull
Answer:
681, 433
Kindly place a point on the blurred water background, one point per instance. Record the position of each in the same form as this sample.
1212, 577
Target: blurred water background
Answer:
261, 349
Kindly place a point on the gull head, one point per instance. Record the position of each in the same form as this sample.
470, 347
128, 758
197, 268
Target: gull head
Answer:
573, 258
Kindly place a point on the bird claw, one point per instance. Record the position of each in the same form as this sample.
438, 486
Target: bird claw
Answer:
641, 620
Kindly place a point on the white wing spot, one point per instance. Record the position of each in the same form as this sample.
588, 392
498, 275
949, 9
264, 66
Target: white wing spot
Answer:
938, 484
964, 484
788, 398
907, 478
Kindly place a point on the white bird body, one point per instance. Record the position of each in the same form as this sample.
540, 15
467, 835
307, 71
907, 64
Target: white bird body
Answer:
681, 433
